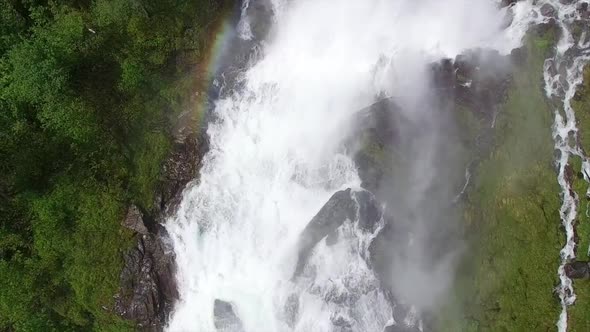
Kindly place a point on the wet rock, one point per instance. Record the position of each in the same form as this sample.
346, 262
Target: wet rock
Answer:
338, 209
259, 16
332, 238
381, 255
506, 3
578, 270
375, 132
369, 212
507, 20
378, 120
178, 170
477, 79
148, 285
134, 220
342, 206
569, 173
543, 28
225, 318
518, 56
341, 322
548, 10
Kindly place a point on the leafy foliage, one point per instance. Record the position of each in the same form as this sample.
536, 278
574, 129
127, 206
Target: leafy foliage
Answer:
86, 91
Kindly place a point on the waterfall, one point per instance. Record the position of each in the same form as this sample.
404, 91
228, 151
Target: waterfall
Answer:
277, 155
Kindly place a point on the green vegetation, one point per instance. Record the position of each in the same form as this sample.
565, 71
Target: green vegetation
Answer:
506, 282
578, 314
87, 88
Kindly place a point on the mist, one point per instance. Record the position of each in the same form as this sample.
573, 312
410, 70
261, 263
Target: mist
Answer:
276, 156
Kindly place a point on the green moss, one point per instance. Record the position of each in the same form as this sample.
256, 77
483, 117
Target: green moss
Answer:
507, 279
578, 314
146, 169
581, 105
579, 318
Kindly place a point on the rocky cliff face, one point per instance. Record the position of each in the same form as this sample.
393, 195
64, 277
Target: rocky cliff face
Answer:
148, 283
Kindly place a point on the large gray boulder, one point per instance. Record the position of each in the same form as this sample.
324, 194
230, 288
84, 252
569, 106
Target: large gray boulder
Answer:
357, 206
134, 220
147, 283
225, 318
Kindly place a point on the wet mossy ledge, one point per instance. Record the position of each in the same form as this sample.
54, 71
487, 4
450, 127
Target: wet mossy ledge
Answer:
507, 279
87, 93
578, 313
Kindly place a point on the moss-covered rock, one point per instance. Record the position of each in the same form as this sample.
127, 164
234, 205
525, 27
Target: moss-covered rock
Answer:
507, 279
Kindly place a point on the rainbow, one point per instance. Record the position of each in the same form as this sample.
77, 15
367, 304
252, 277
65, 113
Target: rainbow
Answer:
219, 39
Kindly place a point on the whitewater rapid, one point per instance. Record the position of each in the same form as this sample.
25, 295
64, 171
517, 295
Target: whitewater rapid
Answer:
563, 73
277, 154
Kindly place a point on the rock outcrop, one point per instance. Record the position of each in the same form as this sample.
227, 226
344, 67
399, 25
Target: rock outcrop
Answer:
375, 132
225, 318
578, 270
134, 220
359, 206
148, 287
181, 167
477, 79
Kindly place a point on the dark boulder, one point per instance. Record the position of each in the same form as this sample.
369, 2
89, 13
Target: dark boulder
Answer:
179, 169
381, 255
578, 270
506, 3
481, 80
544, 28
507, 20
374, 136
148, 285
368, 210
338, 209
341, 323
518, 56
548, 10
134, 220
259, 16
225, 318
359, 206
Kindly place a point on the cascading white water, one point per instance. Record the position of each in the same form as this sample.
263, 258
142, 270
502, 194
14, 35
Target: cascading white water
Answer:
563, 74
275, 152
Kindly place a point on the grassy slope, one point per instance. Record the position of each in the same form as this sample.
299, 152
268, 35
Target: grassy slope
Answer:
579, 313
512, 216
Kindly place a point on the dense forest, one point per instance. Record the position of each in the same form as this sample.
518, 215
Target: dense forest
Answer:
87, 88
